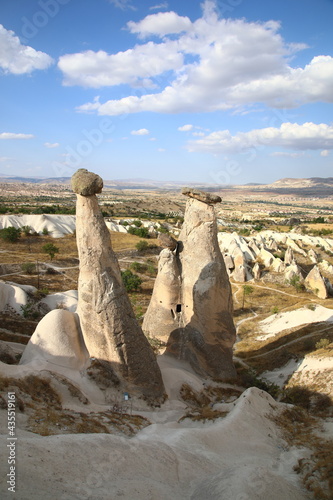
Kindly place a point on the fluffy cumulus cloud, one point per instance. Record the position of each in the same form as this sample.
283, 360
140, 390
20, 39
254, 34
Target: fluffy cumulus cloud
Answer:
141, 131
11, 135
308, 136
18, 59
163, 23
185, 128
135, 66
201, 66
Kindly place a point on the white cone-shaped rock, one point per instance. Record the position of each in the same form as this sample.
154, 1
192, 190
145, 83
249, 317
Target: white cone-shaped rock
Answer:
278, 265
313, 256
266, 257
200, 325
229, 263
316, 283
110, 329
326, 267
293, 270
58, 340
256, 271
289, 256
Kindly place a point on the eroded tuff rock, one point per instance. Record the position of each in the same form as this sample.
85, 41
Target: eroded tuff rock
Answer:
316, 283
201, 196
58, 340
86, 183
256, 271
167, 241
191, 307
110, 329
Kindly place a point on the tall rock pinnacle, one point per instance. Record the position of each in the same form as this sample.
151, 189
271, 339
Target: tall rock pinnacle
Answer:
110, 329
191, 307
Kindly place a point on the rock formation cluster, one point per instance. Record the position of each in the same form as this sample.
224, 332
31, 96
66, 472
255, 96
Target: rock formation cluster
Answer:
191, 306
257, 256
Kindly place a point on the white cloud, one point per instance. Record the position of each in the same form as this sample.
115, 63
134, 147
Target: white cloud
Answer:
141, 131
185, 128
5, 158
152, 139
163, 5
198, 134
161, 150
123, 4
160, 24
324, 153
51, 145
134, 67
215, 64
308, 136
18, 59
10, 135
288, 155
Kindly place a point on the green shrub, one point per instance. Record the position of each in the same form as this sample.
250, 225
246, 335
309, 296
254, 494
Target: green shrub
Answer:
28, 267
295, 282
139, 231
50, 249
45, 231
275, 310
163, 230
41, 293
29, 311
137, 223
132, 282
138, 267
142, 246
26, 230
11, 234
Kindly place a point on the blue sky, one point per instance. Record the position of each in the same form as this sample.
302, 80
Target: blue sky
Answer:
221, 92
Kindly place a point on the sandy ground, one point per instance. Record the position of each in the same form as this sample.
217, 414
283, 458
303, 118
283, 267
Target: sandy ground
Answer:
241, 456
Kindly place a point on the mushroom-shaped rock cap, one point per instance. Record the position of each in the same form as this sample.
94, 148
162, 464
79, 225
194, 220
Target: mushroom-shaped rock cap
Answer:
86, 183
167, 241
201, 195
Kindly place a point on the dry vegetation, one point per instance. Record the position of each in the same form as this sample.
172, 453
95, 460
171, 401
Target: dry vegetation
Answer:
277, 350
200, 404
40, 402
301, 430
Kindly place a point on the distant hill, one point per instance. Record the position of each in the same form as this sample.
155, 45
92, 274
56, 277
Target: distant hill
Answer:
314, 186
137, 183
